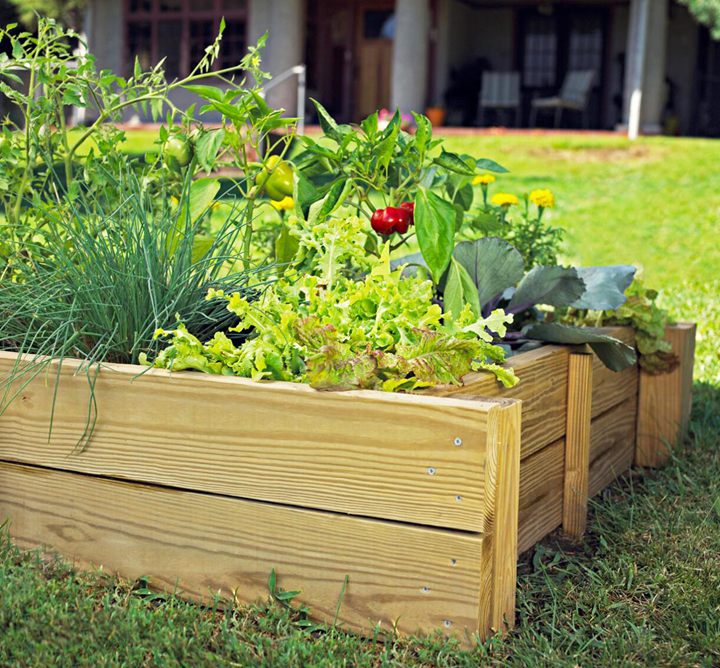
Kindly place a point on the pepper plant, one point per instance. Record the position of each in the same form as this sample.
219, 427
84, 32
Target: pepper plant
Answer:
382, 172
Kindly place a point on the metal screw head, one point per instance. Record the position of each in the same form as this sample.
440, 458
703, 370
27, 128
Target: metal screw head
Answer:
458, 498
457, 441
447, 623
431, 470
425, 590
453, 562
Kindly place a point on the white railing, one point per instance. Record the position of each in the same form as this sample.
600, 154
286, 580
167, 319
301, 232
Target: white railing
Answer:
299, 71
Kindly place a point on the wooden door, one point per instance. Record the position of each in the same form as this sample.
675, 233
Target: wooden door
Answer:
375, 27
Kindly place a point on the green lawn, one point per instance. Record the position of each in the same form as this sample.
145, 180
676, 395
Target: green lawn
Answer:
644, 589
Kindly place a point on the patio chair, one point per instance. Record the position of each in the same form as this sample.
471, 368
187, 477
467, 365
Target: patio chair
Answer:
499, 90
574, 96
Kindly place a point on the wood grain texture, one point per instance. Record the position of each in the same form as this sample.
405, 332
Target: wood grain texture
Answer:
497, 595
611, 388
665, 401
400, 457
541, 494
577, 444
612, 445
423, 579
542, 389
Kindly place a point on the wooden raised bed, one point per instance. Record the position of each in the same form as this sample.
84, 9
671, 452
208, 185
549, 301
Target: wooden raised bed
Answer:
423, 502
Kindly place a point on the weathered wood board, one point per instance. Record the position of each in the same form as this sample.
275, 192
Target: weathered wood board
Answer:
423, 579
541, 494
542, 390
612, 445
666, 401
402, 457
611, 388
577, 444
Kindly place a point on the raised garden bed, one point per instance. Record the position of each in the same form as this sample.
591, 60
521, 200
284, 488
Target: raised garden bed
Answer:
205, 484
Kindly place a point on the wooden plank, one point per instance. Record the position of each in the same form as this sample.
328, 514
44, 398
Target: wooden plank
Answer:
542, 389
541, 494
497, 596
400, 457
665, 401
422, 579
577, 445
612, 445
611, 388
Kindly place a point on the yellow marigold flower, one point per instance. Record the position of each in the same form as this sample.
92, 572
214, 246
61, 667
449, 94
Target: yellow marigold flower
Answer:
284, 204
504, 199
543, 198
483, 179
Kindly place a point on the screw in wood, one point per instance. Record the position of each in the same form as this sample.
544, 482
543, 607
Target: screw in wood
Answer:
431, 470
457, 442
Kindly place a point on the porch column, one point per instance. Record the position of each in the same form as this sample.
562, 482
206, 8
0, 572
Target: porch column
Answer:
410, 55
644, 94
285, 22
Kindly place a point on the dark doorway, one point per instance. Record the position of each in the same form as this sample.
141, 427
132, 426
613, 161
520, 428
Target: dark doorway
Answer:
559, 40
707, 103
350, 56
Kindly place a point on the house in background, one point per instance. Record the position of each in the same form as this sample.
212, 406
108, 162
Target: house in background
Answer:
366, 54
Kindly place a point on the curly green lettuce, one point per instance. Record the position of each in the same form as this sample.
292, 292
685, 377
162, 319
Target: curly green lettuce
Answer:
382, 331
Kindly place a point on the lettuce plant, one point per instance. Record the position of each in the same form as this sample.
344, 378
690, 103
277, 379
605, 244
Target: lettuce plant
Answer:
324, 326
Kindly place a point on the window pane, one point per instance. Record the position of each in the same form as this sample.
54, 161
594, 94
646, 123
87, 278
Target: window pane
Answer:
170, 5
233, 5
586, 44
202, 34
232, 48
140, 43
202, 5
540, 59
169, 42
140, 6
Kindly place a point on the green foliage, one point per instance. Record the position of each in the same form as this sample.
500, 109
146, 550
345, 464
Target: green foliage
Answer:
374, 168
520, 294
642, 313
104, 282
327, 328
67, 12
707, 12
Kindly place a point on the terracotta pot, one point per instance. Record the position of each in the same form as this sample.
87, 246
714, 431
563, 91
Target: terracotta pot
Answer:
436, 115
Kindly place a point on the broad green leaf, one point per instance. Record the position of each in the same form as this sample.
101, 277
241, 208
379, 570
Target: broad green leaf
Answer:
334, 198
453, 293
327, 122
370, 125
604, 286
492, 264
454, 163
487, 165
207, 147
551, 286
304, 194
286, 246
459, 217
614, 354
423, 132
464, 196
435, 229
201, 246
198, 200
386, 147
210, 93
